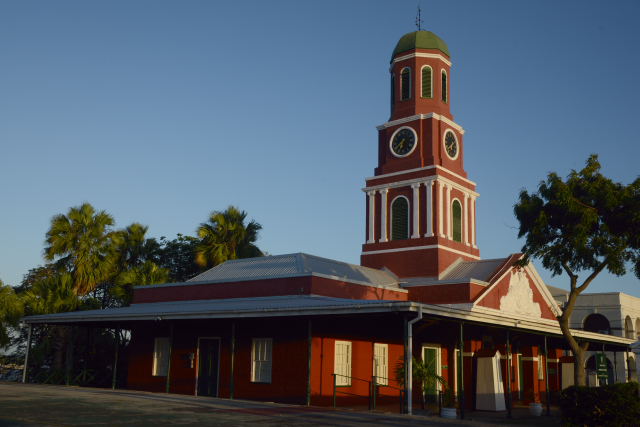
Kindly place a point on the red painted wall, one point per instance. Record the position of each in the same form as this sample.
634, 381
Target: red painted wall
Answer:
262, 288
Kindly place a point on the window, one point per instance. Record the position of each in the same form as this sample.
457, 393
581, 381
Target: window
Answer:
405, 84
261, 360
540, 365
444, 86
380, 363
400, 219
342, 363
426, 82
161, 357
393, 92
456, 222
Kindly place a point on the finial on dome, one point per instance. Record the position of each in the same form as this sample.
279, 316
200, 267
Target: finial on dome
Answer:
418, 20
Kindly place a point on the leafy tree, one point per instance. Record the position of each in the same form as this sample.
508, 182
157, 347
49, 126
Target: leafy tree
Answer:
178, 256
10, 312
147, 274
84, 243
226, 237
586, 223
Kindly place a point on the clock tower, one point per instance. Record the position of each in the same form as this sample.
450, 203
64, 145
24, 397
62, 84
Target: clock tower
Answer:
420, 204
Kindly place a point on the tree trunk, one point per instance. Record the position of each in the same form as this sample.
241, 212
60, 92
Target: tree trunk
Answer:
578, 368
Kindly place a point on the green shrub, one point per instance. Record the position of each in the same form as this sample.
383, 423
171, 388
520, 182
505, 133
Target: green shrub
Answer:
610, 405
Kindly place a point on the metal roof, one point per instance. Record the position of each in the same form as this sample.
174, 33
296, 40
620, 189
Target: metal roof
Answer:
299, 264
479, 270
236, 307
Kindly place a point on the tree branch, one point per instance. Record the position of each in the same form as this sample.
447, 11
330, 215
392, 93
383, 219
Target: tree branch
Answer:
572, 276
594, 274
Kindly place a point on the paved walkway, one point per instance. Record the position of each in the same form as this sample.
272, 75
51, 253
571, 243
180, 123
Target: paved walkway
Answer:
23, 405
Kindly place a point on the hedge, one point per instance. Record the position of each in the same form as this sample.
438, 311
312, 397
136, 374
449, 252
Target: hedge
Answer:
608, 405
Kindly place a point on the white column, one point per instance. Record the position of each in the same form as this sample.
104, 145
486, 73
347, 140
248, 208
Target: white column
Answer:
449, 212
440, 202
473, 221
383, 215
465, 224
416, 211
372, 215
429, 185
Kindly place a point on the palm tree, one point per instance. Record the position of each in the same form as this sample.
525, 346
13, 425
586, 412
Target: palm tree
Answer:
147, 274
10, 312
84, 244
134, 248
55, 294
225, 237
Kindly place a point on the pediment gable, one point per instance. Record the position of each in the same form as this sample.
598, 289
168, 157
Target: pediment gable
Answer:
519, 291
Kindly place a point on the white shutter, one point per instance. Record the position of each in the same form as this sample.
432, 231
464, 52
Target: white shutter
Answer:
342, 364
380, 363
161, 357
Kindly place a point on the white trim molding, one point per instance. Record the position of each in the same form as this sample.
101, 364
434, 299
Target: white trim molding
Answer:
415, 248
421, 117
419, 55
436, 167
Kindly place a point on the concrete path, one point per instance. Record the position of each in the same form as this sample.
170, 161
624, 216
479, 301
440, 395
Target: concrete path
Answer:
23, 405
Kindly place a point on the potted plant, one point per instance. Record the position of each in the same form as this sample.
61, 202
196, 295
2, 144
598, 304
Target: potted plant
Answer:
448, 404
422, 373
535, 407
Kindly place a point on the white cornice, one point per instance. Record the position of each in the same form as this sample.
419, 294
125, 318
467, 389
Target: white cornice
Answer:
418, 170
420, 55
415, 248
421, 180
421, 117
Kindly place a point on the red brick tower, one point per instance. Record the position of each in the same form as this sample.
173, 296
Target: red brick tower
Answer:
420, 204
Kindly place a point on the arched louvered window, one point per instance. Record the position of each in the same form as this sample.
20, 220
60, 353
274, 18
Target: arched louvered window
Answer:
405, 84
444, 86
426, 82
400, 219
393, 92
456, 221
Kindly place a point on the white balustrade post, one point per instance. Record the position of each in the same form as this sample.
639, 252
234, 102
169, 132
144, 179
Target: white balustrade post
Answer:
416, 211
383, 215
372, 216
429, 188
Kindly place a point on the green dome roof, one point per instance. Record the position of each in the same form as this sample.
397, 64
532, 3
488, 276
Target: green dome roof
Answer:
420, 40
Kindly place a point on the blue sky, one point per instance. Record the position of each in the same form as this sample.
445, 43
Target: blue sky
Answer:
160, 112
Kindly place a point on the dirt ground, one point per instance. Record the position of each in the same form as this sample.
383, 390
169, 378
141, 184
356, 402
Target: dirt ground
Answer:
24, 405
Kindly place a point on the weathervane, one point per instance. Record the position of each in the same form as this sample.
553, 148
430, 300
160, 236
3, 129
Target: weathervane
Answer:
418, 20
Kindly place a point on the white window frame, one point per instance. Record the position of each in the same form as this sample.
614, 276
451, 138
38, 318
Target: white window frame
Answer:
401, 98
381, 372
260, 361
158, 370
342, 380
408, 216
438, 349
421, 89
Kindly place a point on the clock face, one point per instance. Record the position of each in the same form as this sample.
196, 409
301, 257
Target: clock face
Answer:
403, 142
451, 145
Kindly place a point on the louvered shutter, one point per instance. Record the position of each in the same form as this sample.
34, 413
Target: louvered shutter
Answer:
444, 87
400, 219
405, 80
261, 355
342, 364
161, 356
426, 82
457, 221
380, 363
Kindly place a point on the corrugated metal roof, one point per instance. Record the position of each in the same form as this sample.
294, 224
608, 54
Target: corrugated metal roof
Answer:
293, 264
207, 308
479, 270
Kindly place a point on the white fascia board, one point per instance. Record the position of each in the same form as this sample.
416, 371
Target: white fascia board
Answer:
421, 117
420, 181
443, 282
418, 170
415, 248
419, 55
